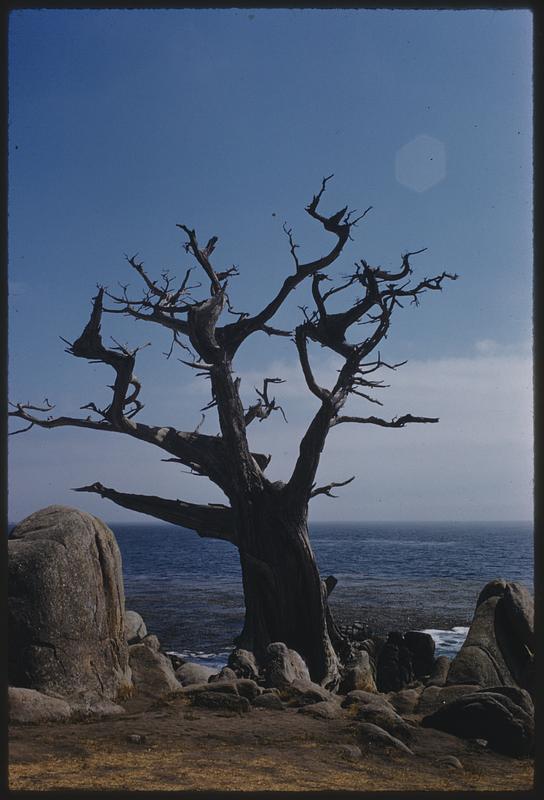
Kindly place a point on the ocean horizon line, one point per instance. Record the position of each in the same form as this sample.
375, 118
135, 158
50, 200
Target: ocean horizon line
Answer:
161, 523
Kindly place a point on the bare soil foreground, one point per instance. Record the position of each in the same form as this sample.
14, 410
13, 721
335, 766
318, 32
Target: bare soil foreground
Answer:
175, 746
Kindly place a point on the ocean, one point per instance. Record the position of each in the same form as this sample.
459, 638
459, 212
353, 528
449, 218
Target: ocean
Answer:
391, 576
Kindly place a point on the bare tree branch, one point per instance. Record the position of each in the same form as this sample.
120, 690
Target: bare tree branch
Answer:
211, 521
264, 405
337, 224
327, 489
202, 256
396, 422
313, 386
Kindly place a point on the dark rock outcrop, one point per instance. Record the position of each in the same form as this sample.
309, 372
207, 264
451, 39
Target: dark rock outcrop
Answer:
66, 614
394, 664
487, 715
434, 697
520, 697
499, 647
421, 646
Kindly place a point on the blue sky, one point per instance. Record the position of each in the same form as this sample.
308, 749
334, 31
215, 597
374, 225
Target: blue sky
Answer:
124, 123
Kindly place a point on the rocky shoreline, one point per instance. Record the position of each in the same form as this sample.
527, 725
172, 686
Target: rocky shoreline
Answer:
78, 660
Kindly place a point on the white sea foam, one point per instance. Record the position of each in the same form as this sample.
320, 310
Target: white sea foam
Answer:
448, 643
215, 660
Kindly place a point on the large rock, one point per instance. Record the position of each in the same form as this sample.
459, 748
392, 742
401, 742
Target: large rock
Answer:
385, 718
434, 697
406, 701
360, 699
394, 664
66, 614
493, 716
152, 672
282, 666
222, 701
439, 672
499, 647
359, 674
243, 663
28, 705
190, 673
520, 697
244, 687
135, 629
304, 693
269, 701
370, 734
421, 645
226, 674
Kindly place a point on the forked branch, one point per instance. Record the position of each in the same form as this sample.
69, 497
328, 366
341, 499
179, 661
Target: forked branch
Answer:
265, 405
326, 490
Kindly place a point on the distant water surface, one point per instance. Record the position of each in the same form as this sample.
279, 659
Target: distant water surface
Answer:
422, 576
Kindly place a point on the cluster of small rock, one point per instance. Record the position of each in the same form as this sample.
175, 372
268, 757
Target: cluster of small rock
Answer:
75, 651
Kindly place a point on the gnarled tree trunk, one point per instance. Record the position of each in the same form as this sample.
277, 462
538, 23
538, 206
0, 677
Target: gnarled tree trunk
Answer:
285, 598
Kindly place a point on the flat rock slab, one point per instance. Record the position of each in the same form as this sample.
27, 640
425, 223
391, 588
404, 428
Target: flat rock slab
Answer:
30, 706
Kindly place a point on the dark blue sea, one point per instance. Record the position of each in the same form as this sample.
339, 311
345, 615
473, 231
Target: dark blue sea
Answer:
391, 576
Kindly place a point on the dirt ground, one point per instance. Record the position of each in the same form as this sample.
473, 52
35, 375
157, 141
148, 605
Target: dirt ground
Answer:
185, 748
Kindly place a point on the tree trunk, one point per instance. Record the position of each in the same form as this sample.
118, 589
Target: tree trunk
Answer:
286, 600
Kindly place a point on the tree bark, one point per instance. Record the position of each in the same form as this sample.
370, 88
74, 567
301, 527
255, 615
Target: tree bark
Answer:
285, 598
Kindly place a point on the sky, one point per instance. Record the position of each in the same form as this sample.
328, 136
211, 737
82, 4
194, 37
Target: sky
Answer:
123, 123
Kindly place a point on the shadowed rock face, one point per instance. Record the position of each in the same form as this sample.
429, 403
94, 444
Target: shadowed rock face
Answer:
499, 646
66, 606
493, 716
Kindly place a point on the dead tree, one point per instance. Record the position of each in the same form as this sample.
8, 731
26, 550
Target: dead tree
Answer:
286, 600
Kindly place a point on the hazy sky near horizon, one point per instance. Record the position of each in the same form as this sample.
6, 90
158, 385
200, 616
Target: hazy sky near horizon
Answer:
124, 123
